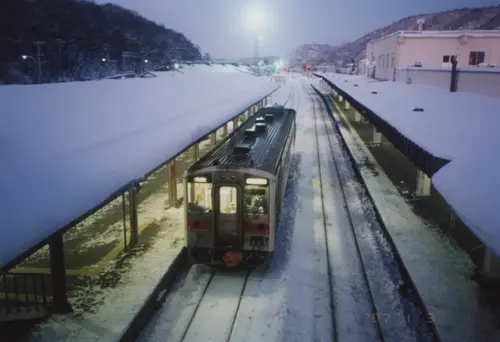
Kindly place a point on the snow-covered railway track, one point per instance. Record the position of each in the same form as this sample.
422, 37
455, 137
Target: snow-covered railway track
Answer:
201, 306
369, 300
334, 275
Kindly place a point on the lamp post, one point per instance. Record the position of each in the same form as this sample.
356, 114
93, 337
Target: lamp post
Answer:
258, 39
256, 19
39, 58
39, 64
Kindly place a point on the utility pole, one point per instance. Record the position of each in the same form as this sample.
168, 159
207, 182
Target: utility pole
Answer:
126, 56
39, 58
256, 49
257, 42
60, 44
106, 50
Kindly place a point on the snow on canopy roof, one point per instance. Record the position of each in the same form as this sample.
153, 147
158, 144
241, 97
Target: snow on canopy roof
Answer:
67, 147
460, 127
474, 69
213, 68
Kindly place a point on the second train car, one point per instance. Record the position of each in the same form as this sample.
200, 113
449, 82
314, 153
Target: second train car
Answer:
235, 192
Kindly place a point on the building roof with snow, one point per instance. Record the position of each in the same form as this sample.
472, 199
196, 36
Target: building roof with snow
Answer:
68, 148
443, 34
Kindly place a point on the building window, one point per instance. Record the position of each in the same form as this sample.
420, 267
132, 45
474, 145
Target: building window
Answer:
387, 61
393, 60
476, 57
449, 58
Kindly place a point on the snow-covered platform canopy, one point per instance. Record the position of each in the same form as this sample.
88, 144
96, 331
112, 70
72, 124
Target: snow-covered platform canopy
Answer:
453, 137
67, 148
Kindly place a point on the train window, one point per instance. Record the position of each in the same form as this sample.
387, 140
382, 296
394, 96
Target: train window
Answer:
228, 199
256, 200
200, 197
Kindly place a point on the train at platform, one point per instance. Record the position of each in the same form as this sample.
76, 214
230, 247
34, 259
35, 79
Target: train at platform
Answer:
235, 192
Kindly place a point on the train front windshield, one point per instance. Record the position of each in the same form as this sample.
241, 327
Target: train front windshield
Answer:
200, 197
254, 211
256, 206
256, 200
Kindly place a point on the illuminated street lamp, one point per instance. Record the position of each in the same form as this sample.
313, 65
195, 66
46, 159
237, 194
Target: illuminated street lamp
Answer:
256, 22
146, 61
39, 62
256, 19
257, 43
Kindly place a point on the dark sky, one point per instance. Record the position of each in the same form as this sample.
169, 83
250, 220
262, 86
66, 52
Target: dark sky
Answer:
221, 27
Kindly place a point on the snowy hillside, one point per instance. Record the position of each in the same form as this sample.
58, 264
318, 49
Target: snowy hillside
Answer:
485, 18
319, 53
82, 40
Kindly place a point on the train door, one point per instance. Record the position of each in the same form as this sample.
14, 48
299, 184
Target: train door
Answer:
227, 216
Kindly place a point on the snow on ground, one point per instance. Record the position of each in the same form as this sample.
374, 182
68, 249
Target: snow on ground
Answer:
268, 298
291, 300
279, 306
220, 303
380, 265
282, 95
171, 321
439, 270
351, 299
461, 127
114, 308
86, 140
220, 292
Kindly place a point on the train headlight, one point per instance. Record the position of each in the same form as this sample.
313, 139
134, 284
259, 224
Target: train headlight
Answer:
256, 181
200, 179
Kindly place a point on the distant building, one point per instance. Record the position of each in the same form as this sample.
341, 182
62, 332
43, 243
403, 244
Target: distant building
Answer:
430, 49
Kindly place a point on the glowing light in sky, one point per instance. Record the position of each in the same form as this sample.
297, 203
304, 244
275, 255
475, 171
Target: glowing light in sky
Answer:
256, 19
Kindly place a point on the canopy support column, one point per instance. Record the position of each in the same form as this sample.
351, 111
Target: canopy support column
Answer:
363, 117
196, 152
134, 222
423, 184
491, 264
172, 184
347, 105
58, 275
453, 219
357, 116
377, 136
225, 130
235, 123
213, 139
